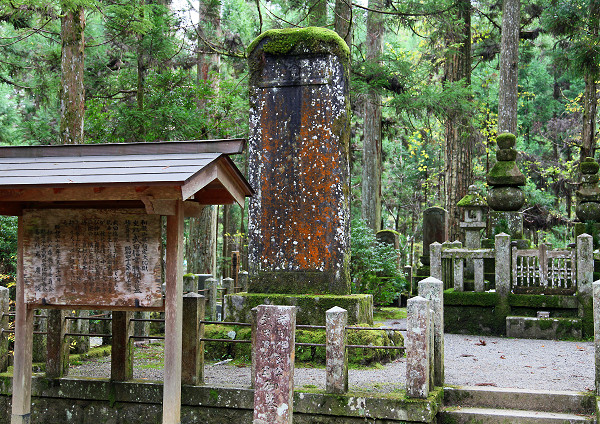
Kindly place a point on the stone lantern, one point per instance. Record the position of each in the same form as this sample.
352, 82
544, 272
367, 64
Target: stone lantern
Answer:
474, 207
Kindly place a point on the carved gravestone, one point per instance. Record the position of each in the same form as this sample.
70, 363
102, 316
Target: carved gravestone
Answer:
435, 229
273, 355
298, 163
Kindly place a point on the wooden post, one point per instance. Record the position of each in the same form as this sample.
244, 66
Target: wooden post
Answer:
121, 359
192, 371
173, 317
57, 357
21, 398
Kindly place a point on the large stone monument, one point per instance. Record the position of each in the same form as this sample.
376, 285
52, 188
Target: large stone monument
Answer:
505, 197
299, 217
435, 229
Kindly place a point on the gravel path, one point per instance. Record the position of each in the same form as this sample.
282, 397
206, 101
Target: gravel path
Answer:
469, 360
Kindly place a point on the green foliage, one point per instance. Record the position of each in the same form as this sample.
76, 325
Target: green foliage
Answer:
8, 250
374, 266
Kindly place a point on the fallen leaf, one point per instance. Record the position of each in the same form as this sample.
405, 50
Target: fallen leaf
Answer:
481, 343
486, 384
502, 357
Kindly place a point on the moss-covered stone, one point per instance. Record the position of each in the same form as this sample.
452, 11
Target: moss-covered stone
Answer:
310, 308
452, 297
506, 198
544, 302
506, 155
505, 174
506, 140
300, 282
588, 211
312, 40
589, 166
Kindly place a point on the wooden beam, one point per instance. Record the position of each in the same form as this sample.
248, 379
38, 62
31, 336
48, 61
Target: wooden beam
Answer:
231, 185
87, 193
173, 318
192, 209
21, 398
203, 178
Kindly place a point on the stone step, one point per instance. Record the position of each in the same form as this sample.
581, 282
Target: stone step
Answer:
470, 415
525, 399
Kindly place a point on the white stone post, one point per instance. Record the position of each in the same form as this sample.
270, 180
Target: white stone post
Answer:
585, 264
336, 357
503, 267
435, 255
478, 276
274, 347
432, 289
417, 348
596, 289
243, 281
458, 265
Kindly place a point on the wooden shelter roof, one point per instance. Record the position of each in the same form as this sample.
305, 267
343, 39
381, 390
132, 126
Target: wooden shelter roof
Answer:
150, 173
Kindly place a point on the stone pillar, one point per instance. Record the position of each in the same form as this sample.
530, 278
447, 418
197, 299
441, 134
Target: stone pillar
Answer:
254, 332
298, 149
478, 275
585, 264
335, 353
229, 285
210, 285
243, 281
503, 261
141, 328
274, 373
435, 230
39, 340
192, 358
121, 359
81, 326
4, 310
417, 348
57, 358
190, 283
596, 297
436, 260
432, 289
458, 265
585, 276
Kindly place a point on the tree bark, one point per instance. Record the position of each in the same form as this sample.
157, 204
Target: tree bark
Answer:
201, 249
343, 20
371, 167
509, 67
458, 172
72, 92
590, 99
317, 15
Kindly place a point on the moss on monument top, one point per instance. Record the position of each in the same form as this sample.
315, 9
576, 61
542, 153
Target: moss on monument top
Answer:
589, 166
472, 199
289, 40
506, 140
505, 173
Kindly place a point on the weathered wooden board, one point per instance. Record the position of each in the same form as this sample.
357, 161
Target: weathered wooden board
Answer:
92, 257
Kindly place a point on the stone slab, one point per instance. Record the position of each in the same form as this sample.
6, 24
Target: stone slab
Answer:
310, 308
543, 328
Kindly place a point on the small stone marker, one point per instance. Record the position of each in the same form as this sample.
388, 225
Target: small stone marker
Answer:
274, 349
335, 354
4, 309
432, 289
585, 264
503, 261
417, 348
596, 288
192, 355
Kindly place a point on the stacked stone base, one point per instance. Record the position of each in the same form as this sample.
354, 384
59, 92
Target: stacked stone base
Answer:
311, 308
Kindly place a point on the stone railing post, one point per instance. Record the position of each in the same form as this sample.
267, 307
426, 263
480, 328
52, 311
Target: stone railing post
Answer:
417, 348
273, 348
254, 330
432, 289
4, 311
585, 277
192, 358
435, 255
229, 285
57, 344
243, 281
80, 344
336, 320
503, 259
121, 358
210, 284
585, 264
596, 301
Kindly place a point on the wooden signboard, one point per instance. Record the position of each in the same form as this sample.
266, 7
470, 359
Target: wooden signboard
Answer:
92, 257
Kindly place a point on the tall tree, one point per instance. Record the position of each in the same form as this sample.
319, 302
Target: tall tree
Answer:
342, 20
509, 67
371, 166
72, 92
317, 13
591, 73
458, 172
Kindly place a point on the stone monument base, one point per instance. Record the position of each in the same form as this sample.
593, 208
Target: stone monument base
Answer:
310, 308
510, 223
